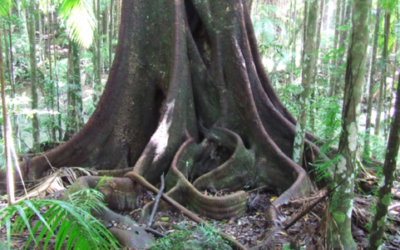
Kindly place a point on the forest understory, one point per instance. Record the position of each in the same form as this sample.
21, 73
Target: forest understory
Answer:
254, 230
252, 160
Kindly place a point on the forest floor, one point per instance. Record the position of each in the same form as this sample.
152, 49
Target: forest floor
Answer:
255, 231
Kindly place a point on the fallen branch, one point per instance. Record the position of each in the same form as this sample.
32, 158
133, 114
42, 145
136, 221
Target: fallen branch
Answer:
325, 193
155, 232
150, 222
139, 179
305, 211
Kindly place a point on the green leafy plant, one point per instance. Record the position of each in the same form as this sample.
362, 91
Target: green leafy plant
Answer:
64, 221
200, 237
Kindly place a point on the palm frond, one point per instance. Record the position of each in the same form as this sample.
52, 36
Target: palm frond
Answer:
80, 20
5, 6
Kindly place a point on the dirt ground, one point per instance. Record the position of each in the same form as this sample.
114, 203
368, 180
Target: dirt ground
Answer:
255, 231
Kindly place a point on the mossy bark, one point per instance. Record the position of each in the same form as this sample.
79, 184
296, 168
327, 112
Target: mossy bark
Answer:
342, 200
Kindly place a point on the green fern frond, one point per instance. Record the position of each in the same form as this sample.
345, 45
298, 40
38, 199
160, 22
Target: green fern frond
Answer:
66, 221
5, 6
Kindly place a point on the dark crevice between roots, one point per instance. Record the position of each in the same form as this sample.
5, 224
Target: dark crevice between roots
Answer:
233, 171
192, 16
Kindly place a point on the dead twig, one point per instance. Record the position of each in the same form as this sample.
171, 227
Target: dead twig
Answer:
150, 222
311, 206
155, 232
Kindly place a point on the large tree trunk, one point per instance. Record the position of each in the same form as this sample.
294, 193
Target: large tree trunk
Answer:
186, 78
187, 94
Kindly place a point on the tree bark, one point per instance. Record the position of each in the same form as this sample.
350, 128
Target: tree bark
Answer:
342, 200
389, 169
32, 61
383, 68
345, 20
97, 54
334, 60
294, 38
10, 68
391, 94
314, 92
51, 77
9, 168
309, 61
367, 148
110, 33
74, 120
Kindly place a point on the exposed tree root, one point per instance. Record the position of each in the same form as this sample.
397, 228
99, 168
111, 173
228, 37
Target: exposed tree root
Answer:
140, 180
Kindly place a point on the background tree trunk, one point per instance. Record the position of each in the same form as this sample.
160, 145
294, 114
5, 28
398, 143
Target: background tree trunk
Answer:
74, 120
314, 90
334, 60
97, 54
33, 70
383, 68
389, 169
9, 168
345, 20
51, 77
342, 199
294, 42
110, 33
308, 64
371, 85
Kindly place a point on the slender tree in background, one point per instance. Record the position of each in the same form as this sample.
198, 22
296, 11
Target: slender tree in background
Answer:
333, 64
308, 64
389, 168
110, 33
391, 93
315, 71
117, 17
383, 68
345, 23
50, 65
342, 200
97, 54
33, 74
294, 39
304, 28
371, 84
74, 111
10, 67
10, 175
